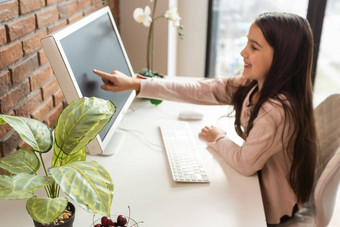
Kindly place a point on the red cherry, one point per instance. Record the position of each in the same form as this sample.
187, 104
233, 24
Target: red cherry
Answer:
106, 221
97, 225
121, 220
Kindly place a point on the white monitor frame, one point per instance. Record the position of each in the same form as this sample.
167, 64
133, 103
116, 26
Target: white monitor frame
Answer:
62, 70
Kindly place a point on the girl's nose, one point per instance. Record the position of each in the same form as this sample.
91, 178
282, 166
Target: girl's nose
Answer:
243, 52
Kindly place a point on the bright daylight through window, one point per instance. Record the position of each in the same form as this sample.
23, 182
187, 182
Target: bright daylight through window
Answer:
230, 23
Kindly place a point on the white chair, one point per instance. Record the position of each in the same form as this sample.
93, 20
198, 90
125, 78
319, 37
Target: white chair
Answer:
318, 212
326, 191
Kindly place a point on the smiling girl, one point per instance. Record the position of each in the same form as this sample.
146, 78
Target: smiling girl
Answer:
272, 99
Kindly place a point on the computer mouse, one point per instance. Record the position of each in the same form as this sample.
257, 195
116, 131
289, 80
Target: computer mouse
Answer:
191, 115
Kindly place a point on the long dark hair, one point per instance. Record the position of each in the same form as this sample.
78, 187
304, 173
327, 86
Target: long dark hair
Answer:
290, 77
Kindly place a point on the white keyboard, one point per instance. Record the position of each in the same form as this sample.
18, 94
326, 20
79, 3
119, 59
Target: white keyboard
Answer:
182, 152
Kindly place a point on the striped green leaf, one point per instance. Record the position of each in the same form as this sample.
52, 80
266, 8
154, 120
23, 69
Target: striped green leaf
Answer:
20, 186
86, 183
60, 158
45, 210
81, 121
21, 161
33, 132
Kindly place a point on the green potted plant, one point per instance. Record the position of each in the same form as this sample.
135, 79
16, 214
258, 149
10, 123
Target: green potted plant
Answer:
148, 18
88, 184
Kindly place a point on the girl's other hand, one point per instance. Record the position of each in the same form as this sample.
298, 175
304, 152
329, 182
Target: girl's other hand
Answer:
211, 133
118, 81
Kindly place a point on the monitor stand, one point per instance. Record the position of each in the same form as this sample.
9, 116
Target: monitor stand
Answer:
115, 143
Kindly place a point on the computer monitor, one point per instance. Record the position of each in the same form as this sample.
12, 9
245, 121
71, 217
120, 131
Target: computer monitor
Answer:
74, 51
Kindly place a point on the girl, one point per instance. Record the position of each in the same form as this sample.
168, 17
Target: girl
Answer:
273, 108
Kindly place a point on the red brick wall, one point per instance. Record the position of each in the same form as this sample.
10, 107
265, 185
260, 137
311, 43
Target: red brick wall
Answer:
28, 86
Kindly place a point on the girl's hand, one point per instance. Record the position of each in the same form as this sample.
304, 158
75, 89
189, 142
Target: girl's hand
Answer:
210, 134
118, 81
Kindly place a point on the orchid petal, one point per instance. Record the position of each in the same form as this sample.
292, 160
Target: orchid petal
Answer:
137, 15
147, 11
147, 22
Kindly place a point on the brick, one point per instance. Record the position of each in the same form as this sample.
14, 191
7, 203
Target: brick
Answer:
29, 105
58, 97
27, 6
9, 10
74, 17
3, 35
42, 111
83, 4
95, 1
42, 57
6, 127
10, 142
10, 54
99, 6
32, 43
52, 2
13, 96
5, 81
24, 145
47, 16
56, 26
49, 88
90, 10
39, 77
21, 27
67, 9
23, 68
52, 117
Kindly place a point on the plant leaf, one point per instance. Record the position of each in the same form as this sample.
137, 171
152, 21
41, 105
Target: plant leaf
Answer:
81, 121
86, 183
19, 186
35, 133
21, 161
156, 102
60, 158
46, 210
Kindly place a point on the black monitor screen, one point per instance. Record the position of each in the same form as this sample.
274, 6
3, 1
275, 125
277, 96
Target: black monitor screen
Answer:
96, 46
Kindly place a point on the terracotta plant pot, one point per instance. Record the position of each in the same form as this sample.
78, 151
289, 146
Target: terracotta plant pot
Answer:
68, 223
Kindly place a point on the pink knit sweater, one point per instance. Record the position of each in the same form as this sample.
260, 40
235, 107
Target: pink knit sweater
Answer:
261, 151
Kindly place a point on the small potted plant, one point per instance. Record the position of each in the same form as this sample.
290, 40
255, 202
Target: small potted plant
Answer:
88, 184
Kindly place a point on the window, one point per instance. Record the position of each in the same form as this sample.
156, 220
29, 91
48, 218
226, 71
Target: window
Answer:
231, 20
327, 79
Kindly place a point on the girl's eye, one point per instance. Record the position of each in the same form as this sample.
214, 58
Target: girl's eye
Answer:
253, 47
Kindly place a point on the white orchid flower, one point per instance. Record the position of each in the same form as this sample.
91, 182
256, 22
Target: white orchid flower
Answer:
172, 14
143, 16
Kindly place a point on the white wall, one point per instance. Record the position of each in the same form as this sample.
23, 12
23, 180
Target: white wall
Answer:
134, 35
190, 52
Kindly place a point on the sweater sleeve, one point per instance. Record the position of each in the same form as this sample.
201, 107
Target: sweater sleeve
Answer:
263, 141
206, 91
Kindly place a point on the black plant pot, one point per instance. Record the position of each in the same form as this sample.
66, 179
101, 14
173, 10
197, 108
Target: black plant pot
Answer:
68, 223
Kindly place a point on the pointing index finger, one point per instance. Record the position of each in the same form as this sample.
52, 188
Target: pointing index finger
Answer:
102, 74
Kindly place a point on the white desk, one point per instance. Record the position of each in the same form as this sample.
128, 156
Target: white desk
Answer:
143, 181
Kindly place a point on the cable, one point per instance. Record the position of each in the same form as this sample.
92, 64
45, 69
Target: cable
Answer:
142, 136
